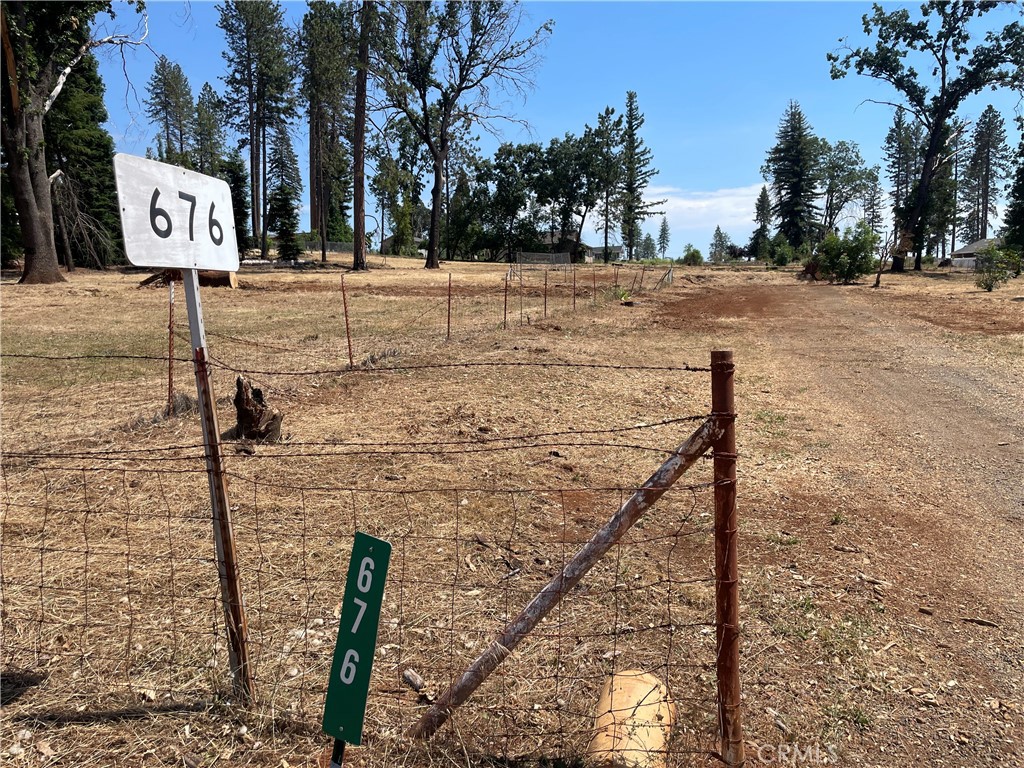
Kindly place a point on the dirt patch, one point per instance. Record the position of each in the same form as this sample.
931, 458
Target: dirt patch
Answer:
735, 302
952, 301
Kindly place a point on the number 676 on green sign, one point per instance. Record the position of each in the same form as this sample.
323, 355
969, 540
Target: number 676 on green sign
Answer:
349, 684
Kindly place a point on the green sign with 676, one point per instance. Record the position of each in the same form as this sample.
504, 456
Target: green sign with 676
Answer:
357, 636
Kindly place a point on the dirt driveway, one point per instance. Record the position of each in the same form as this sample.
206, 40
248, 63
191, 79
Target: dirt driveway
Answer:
884, 511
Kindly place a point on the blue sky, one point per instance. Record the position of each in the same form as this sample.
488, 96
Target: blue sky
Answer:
712, 79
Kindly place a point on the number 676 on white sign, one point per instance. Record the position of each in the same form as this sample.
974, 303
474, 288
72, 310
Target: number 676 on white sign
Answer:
174, 218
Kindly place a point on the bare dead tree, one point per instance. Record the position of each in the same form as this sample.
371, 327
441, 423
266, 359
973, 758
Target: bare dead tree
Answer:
442, 66
80, 231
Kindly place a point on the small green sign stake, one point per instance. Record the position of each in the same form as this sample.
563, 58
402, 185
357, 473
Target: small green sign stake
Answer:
357, 636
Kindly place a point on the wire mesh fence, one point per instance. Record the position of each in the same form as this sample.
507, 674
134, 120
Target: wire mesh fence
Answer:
109, 574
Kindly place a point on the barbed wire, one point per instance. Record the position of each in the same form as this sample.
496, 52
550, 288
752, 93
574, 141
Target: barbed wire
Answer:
357, 443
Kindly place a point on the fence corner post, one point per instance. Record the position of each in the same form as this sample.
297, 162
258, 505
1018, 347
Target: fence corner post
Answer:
727, 605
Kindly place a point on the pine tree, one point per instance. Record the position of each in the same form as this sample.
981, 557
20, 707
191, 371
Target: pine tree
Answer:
987, 169
663, 237
720, 244
637, 171
1013, 217
285, 186
209, 140
903, 148
328, 63
259, 94
648, 248
608, 135
792, 168
233, 169
760, 241
171, 107
871, 201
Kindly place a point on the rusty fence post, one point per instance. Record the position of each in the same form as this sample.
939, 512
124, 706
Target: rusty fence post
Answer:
223, 533
593, 289
348, 332
504, 315
170, 350
727, 604
545, 294
573, 287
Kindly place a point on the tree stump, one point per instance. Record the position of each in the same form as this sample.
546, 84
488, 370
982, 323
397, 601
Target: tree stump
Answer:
257, 421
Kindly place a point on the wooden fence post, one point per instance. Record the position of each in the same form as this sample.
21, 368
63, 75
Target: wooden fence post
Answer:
727, 604
348, 332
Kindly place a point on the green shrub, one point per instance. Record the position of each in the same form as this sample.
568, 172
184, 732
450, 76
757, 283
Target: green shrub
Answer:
781, 251
844, 259
995, 267
691, 256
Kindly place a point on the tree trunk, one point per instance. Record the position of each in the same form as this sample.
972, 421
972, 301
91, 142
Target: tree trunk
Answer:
254, 176
264, 244
359, 142
30, 187
447, 210
433, 241
579, 236
929, 168
323, 206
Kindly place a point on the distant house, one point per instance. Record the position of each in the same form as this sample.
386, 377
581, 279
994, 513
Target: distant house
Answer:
595, 253
967, 257
387, 247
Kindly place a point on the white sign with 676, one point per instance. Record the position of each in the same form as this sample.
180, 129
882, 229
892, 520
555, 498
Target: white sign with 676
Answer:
174, 218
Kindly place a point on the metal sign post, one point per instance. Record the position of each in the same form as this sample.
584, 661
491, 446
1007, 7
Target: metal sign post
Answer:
179, 219
349, 684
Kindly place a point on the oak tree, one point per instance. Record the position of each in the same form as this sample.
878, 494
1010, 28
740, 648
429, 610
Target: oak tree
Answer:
933, 63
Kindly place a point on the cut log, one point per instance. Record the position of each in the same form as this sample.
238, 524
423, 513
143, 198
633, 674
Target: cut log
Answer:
207, 278
632, 722
257, 421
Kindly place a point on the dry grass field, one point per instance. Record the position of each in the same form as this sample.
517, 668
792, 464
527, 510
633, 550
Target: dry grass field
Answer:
881, 447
